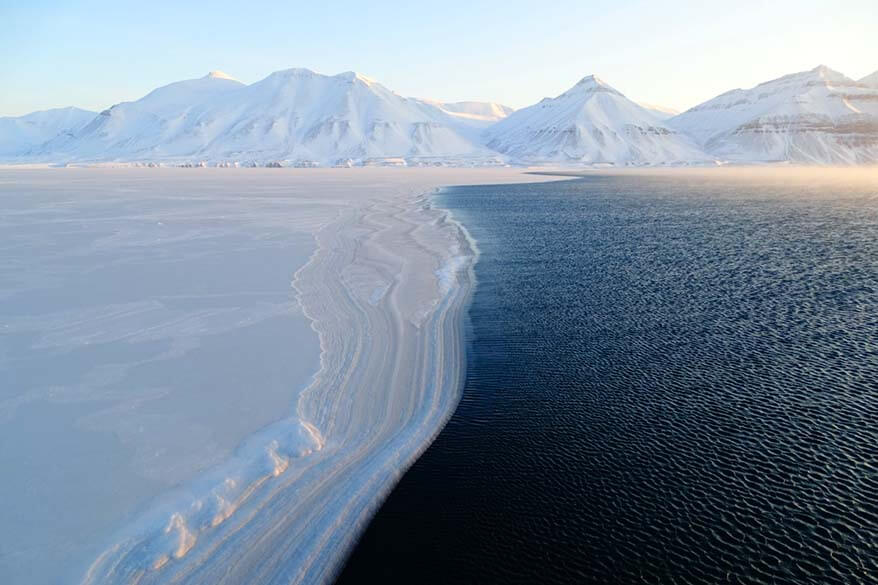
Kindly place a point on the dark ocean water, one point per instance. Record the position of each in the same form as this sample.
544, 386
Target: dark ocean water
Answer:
671, 379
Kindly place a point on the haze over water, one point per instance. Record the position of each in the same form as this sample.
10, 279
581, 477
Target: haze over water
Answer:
673, 378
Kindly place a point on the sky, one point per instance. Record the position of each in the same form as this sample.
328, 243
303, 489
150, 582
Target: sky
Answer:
94, 53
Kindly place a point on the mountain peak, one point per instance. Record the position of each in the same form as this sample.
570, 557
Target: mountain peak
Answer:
825, 70
592, 81
828, 74
590, 123
588, 85
217, 74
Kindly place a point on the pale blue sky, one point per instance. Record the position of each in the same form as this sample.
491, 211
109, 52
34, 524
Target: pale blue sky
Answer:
94, 53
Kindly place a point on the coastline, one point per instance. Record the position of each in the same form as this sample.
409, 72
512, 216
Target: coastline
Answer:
386, 289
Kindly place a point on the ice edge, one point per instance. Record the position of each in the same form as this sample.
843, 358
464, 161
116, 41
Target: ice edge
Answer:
275, 467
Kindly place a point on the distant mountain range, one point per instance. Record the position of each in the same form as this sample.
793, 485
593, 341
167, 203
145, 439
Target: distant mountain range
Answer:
298, 117
18, 136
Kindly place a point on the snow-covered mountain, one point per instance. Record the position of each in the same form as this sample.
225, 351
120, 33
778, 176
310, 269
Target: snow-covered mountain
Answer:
295, 115
590, 123
870, 80
22, 134
817, 116
298, 116
160, 124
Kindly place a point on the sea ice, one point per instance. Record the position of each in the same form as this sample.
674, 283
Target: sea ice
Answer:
214, 375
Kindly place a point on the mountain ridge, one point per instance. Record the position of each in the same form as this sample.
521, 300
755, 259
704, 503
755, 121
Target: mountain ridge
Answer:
590, 123
818, 116
297, 116
294, 115
21, 134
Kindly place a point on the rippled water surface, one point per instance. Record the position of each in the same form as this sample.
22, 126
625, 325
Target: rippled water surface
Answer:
672, 378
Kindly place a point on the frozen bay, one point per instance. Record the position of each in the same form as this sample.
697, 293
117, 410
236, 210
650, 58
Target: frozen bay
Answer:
186, 396
146, 332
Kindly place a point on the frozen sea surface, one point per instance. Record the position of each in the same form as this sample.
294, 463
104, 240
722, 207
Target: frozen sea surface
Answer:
215, 375
143, 335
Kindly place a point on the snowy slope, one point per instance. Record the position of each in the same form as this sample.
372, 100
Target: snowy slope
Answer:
590, 123
293, 115
23, 134
301, 115
160, 124
870, 80
816, 116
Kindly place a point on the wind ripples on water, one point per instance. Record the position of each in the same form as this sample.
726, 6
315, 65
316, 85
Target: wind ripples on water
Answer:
672, 379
